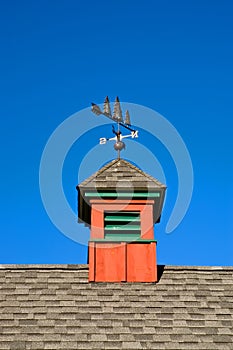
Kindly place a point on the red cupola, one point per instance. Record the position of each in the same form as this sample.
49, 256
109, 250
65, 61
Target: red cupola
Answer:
120, 203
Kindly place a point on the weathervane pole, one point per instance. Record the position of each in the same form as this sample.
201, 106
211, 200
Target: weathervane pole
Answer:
118, 132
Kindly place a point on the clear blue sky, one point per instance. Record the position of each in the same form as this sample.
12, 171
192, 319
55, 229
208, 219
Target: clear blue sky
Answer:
175, 57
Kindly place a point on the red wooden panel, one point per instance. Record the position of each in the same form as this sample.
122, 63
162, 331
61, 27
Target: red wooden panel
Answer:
97, 222
91, 258
141, 262
144, 206
110, 262
147, 224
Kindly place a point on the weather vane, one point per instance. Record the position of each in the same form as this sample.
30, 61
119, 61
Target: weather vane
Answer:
117, 118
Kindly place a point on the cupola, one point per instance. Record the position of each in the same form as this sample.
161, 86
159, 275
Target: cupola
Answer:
121, 203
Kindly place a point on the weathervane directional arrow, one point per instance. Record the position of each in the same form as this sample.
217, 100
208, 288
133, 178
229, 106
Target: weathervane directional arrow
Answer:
117, 118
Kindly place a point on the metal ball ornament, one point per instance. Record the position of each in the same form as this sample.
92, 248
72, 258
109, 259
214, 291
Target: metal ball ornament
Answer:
119, 146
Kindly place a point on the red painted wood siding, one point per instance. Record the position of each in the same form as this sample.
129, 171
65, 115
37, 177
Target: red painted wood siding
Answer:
91, 258
141, 262
145, 207
122, 262
110, 262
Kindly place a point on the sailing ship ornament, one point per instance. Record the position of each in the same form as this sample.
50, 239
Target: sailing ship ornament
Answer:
116, 117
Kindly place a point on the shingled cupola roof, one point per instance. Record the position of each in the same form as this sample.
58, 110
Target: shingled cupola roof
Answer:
119, 178
118, 173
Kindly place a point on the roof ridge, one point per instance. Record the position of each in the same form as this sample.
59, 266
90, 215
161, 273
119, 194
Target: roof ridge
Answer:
197, 268
44, 267
86, 267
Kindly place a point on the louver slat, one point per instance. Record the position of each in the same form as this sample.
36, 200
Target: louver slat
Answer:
122, 218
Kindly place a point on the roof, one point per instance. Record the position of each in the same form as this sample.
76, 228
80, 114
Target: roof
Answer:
120, 173
54, 307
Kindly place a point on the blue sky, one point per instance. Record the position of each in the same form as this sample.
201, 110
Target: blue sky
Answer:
174, 57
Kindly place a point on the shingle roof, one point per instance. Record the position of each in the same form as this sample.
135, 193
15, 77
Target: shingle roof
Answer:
54, 307
120, 173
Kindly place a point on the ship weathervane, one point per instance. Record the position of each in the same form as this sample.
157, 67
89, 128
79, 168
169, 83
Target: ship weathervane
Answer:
117, 118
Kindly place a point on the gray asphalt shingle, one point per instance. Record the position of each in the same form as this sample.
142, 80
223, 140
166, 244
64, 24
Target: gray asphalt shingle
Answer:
54, 307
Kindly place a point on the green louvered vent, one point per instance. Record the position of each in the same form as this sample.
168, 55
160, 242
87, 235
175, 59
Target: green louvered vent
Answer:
122, 225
